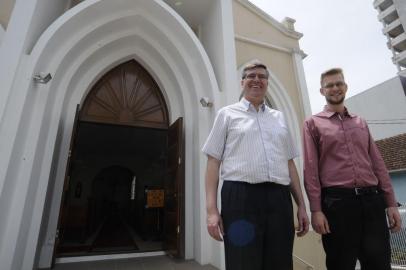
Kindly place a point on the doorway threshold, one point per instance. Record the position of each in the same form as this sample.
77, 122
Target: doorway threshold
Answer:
108, 257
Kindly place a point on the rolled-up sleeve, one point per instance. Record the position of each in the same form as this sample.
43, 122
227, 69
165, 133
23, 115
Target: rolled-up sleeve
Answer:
311, 167
215, 143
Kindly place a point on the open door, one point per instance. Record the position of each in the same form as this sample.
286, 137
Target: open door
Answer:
174, 233
62, 208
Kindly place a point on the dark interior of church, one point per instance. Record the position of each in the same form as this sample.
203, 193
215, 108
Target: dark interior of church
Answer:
113, 202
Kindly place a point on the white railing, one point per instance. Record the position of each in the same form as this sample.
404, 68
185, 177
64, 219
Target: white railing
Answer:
398, 243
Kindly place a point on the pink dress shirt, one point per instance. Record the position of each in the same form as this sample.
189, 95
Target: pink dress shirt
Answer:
339, 151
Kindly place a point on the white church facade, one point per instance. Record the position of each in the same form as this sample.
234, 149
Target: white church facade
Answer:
104, 106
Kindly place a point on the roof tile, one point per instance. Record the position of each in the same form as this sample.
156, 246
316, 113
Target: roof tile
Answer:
393, 151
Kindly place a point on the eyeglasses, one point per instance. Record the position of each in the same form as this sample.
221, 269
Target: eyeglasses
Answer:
331, 85
252, 76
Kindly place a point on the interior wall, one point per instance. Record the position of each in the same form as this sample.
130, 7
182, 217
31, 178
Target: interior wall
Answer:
140, 151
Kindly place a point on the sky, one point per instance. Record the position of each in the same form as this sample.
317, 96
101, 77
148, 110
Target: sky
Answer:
337, 33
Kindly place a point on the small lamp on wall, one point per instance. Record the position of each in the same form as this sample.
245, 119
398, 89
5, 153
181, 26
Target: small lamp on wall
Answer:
42, 78
205, 101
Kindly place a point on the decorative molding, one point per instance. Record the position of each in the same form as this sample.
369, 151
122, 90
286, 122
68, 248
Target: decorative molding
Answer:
266, 17
263, 44
271, 46
300, 52
301, 82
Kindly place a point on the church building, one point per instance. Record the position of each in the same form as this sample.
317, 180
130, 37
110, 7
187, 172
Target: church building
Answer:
104, 107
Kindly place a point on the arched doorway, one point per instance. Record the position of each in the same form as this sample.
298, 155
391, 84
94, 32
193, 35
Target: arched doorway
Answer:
125, 175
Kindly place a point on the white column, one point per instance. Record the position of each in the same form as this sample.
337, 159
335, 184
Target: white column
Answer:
298, 56
28, 21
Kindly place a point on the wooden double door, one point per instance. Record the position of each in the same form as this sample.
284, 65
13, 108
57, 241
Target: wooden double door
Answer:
122, 147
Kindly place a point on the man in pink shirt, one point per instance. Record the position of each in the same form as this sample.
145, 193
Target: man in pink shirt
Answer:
347, 184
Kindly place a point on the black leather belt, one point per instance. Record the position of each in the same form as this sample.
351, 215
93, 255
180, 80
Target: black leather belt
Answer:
358, 191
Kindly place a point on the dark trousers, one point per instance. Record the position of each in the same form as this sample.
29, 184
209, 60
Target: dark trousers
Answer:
258, 224
358, 231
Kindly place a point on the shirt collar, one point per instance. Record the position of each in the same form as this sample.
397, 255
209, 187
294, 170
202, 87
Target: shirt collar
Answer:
327, 112
246, 104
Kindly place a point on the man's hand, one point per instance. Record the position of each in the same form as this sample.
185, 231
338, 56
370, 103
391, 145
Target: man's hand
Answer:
303, 222
215, 226
214, 221
320, 223
395, 222
296, 190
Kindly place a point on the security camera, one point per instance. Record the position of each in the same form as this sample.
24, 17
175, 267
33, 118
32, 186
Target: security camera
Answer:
205, 101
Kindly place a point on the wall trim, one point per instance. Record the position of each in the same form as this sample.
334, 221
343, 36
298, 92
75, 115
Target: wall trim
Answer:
263, 44
269, 19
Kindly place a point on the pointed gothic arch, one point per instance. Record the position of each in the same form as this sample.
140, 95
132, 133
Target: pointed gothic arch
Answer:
77, 49
126, 95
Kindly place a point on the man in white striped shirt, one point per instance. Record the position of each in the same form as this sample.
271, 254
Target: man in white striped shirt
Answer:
252, 145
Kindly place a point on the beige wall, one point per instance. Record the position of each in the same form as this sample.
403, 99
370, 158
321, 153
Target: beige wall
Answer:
310, 249
279, 63
6, 7
250, 25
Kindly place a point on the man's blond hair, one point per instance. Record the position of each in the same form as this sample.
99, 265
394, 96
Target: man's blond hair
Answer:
331, 71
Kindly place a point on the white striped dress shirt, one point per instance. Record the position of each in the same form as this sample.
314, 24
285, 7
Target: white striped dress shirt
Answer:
253, 146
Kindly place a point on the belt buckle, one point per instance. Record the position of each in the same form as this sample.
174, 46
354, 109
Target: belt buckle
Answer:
358, 191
